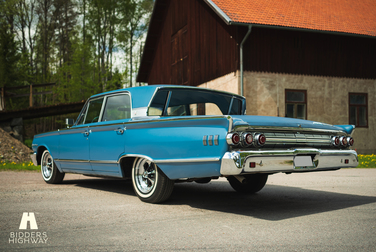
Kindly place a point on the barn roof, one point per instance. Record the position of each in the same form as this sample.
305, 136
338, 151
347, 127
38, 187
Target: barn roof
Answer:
344, 16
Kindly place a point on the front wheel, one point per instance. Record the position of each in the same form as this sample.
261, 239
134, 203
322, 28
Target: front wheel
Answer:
149, 182
50, 173
251, 184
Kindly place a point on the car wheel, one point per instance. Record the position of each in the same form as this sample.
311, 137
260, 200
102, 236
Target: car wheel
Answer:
252, 183
149, 182
50, 173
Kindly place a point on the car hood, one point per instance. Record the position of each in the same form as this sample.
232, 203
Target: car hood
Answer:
283, 122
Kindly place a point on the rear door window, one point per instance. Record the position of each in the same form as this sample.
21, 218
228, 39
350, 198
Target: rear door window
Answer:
117, 107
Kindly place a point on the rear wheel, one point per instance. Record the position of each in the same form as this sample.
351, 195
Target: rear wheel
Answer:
149, 182
251, 184
50, 173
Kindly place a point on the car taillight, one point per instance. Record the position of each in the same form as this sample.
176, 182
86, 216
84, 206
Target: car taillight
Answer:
247, 138
260, 139
233, 138
335, 141
350, 141
343, 141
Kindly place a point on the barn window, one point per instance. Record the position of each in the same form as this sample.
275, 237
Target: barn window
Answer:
296, 103
358, 112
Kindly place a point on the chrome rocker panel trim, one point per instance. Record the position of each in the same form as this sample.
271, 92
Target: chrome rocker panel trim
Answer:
273, 161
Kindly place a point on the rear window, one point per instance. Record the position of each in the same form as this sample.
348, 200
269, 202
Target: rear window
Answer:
189, 102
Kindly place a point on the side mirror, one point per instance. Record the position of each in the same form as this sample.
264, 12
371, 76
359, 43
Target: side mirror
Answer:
69, 122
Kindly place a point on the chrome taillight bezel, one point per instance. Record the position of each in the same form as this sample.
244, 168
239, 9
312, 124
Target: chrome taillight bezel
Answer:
343, 141
260, 139
335, 141
350, 141
247, 138
233, 138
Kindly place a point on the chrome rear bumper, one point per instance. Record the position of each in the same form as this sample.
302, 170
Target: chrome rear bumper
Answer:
273, 161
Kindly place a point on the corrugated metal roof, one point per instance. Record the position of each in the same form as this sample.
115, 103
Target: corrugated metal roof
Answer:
344, 16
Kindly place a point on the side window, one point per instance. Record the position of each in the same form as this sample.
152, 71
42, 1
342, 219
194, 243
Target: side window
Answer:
81, 117
158, 103
117, 107
358, 112
94, 110
296, 104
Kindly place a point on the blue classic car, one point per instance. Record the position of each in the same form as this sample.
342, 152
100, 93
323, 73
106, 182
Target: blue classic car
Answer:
159, 135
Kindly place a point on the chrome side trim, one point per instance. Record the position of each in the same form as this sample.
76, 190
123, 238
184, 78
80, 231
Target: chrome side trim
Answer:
188, 160
103, 162
216, 137
204, 140
210, 140
72, 160
86, 161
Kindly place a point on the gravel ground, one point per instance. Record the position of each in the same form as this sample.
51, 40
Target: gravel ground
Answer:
322, 211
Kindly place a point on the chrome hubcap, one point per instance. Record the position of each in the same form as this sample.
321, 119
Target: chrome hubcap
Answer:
47, 166
145, 176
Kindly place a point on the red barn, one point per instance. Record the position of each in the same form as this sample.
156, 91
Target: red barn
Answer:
314, 60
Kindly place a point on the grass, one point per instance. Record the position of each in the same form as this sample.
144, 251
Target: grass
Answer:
365, 161
12, 166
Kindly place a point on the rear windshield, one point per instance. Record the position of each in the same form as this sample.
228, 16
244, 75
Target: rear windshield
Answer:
190, 102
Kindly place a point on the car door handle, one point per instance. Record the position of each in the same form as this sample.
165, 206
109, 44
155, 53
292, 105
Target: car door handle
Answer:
86, 133
120, 131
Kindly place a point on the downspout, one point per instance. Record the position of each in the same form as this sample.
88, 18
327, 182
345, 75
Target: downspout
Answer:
241, 61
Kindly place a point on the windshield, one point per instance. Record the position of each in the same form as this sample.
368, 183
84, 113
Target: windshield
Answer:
190, 102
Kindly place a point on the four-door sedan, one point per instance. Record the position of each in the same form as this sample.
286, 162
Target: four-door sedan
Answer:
159, 135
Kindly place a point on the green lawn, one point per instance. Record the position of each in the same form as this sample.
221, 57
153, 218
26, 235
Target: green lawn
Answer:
12, 166
365, 161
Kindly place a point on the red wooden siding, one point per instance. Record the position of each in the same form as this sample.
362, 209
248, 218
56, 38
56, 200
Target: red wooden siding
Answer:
297, 52
195, 46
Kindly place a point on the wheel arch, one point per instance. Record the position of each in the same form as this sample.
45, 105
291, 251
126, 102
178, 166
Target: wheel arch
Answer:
40, 151
126, 163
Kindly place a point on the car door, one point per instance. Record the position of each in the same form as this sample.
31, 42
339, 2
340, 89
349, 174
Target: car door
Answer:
75, 142
107, 138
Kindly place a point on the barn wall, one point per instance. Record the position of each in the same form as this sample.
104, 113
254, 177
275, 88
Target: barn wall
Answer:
194, 46
310, 53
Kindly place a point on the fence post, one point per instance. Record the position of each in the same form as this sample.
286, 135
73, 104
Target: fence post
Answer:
2, 101
31, 96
